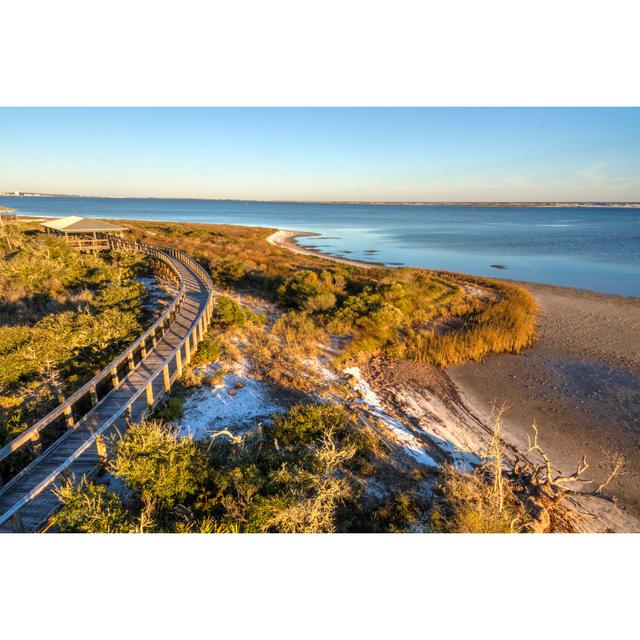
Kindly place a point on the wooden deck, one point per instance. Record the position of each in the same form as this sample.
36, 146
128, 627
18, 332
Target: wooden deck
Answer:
27, 501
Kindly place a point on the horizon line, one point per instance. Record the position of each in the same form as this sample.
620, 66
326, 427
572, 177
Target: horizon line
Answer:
27, 194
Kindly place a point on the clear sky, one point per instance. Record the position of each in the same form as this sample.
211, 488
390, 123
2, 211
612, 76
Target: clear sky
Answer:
324, 154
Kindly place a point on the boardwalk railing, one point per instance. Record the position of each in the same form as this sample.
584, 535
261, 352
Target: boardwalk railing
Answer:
89, 395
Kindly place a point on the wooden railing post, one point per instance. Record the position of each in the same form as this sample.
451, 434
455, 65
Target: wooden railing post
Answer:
178, 363
132, 365
101, 449
194, 338
94, 396
187, 350
166, 379
36, 444
143, 349
16, 523
68, 417
149, 390
114, 378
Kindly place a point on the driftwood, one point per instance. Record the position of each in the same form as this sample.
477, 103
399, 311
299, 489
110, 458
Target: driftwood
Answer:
549, 469
542, 487
618, 461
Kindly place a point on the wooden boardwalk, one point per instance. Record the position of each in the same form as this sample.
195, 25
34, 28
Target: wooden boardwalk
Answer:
27, 501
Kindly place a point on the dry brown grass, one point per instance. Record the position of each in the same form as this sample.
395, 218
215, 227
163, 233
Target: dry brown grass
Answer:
469, 504
506, 325
281, 355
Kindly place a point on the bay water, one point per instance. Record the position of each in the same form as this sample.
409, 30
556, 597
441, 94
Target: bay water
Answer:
595, 248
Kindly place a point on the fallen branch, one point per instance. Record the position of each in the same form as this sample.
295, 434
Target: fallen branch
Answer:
618, 461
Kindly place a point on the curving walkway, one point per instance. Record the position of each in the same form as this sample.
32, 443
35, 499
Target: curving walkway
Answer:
27, 500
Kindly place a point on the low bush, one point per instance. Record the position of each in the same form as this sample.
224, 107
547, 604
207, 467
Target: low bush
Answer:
163, 468
309, 291
306, 423
90, 508
229, 313
229, 272
170, 410
209, 350
398, 513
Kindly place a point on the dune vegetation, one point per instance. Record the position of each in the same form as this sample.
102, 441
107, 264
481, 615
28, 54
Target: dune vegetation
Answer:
63, 316
506, 325
415, 314
319, 466
301, 474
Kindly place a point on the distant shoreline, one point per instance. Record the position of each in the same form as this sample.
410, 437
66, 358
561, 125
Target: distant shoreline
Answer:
295, 234
287, 240
398, 203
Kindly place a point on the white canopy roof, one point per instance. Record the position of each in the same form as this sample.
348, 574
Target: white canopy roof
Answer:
77, 224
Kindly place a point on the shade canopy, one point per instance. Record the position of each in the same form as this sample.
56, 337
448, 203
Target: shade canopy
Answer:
77, 224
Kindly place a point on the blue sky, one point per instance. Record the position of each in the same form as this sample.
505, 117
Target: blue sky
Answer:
325, 154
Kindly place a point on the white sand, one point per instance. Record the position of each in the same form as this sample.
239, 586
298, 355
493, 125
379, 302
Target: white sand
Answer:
401, 434
237, 405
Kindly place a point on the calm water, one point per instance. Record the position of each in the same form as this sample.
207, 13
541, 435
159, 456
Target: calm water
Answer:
597, 249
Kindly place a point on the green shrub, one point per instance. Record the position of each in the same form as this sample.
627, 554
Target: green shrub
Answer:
229, 313
357, 310
308, 291
304, 423
228, 272
170, 410
90, 508
209, 350
160, 466
12, 426
398, 513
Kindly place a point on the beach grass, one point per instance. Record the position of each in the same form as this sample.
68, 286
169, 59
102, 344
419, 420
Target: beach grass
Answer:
506, 325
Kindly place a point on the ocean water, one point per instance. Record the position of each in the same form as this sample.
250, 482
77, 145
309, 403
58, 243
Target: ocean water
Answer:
590, 248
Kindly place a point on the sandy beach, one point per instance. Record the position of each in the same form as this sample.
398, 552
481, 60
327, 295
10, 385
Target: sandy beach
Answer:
580, 383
